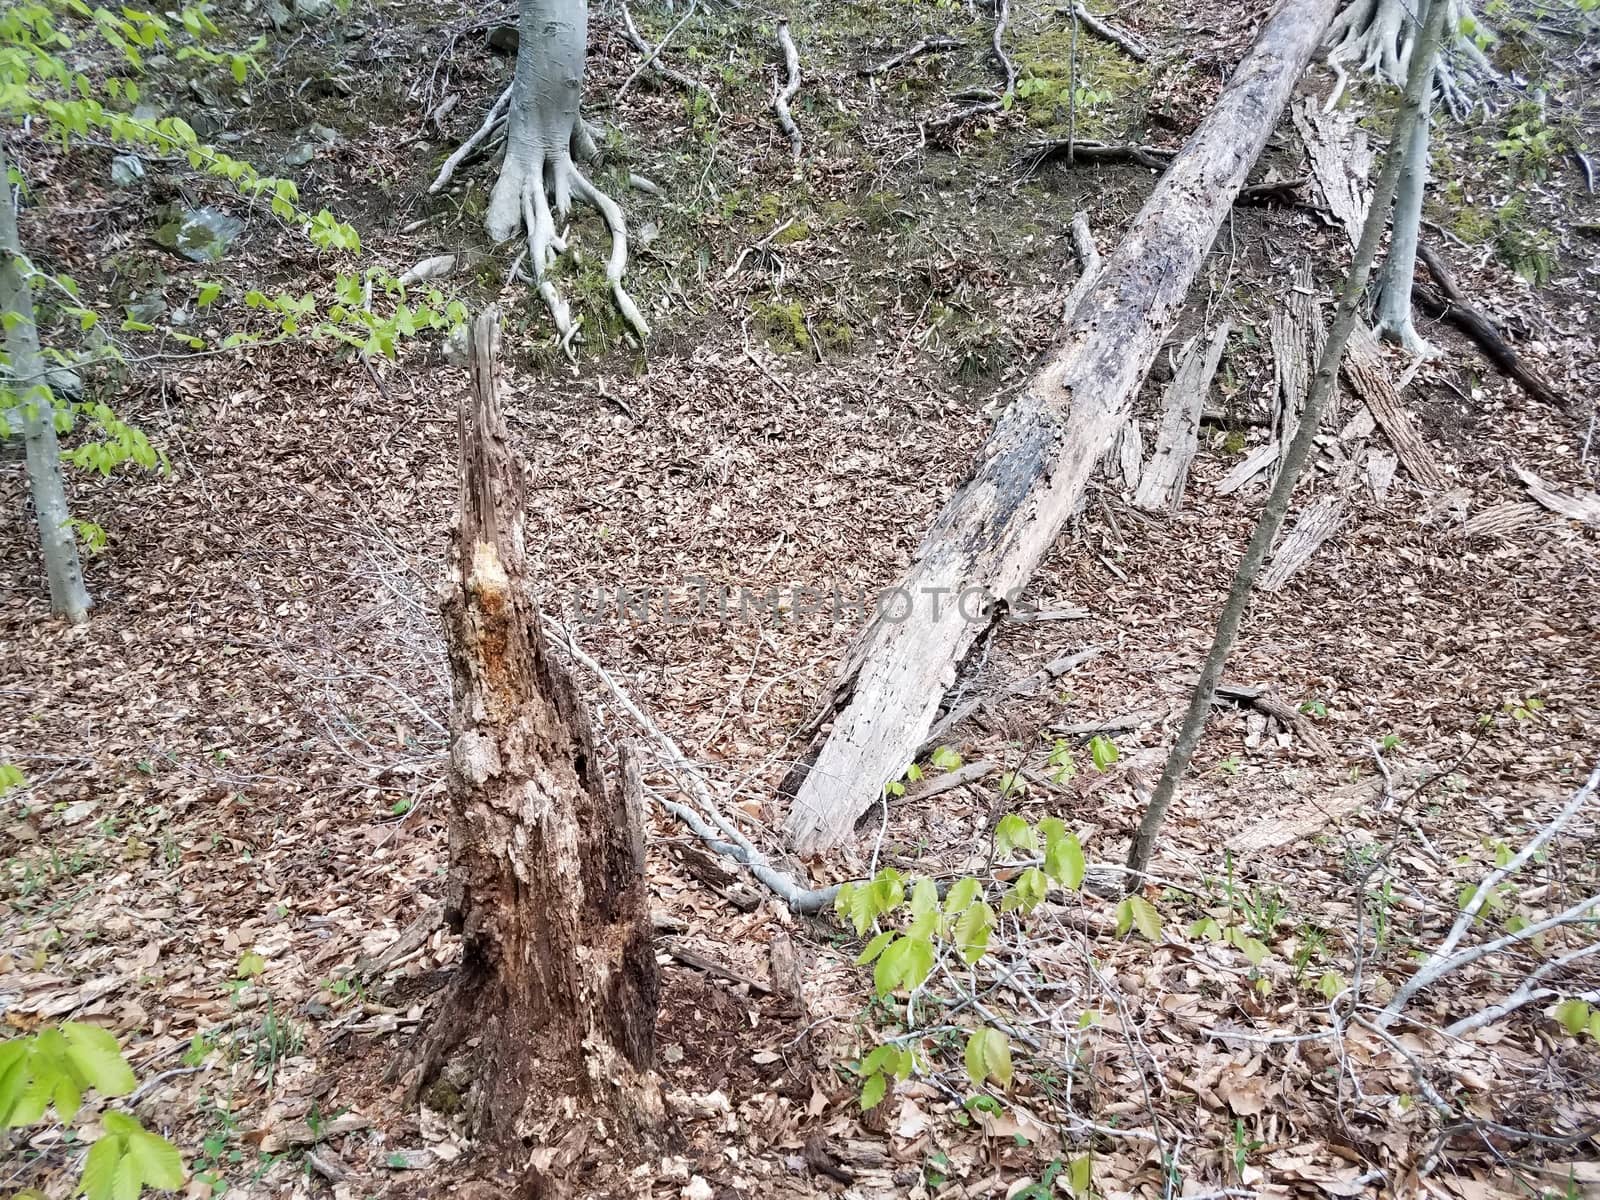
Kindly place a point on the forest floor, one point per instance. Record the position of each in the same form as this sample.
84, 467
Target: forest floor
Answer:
235, 794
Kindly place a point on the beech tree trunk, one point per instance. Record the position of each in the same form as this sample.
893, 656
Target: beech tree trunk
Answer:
27, 400
1393, 314
1032, 469
552, 1010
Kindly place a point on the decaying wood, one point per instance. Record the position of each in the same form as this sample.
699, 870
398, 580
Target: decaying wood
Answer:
1504, 520
1248, 467
1264, 702
1364, 368
1584, 508
554, 1001
710, 966
1127, 456
710, 870
413, 937
1033, 468
1162, 482
972, 772
1295, 333
1448, 304
1341, 160
1030, 684
1380, 473
1283, 829
1321, 519
1088, 256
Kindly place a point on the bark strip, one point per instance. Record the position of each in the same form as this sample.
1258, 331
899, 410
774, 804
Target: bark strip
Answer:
1035, 464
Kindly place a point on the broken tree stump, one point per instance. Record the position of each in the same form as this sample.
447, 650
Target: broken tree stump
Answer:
1032, 470
548, 1027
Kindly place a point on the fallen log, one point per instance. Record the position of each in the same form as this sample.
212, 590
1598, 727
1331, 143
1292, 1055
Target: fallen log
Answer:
1032, 470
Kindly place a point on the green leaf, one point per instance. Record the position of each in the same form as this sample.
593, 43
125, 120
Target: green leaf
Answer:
873, 1091
1573, 1015
1064, 862
100, 1168
1079, 1175
1103, 751
988, 1057
1027, 893
962, 892
251, 964
882, 1058
945, 759
973, 928
97, 1058
875, 947
160, 1164
208, 293
1013, 832
1205, 927
924, 897
1135, 912
1330, 985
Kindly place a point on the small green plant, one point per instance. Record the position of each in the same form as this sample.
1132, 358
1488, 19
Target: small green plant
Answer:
1578, 1017
56, 1066
1243, 1147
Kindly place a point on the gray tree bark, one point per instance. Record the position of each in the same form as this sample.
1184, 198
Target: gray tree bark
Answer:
1032, 470
1394, 320
33, 405
545, 136
1322, 389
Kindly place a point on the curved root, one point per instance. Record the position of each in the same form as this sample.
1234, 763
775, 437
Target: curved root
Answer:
548, 185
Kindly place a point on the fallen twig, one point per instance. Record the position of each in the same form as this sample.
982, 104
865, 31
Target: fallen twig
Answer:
1126, 42
652, 58
928, 45
497, 113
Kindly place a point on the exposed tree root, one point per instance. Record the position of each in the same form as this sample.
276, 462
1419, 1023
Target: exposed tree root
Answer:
790, 88
652, 59
1099, 152
928, 45
1377, 37
946, 125
492, 124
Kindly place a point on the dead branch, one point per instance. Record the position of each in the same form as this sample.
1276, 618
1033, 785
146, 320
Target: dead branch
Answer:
1577, 508
1527, 993
1448, 305
1099, 152
495, 117
1106, 32
652, 58
786, 93
1088, 256
928, 45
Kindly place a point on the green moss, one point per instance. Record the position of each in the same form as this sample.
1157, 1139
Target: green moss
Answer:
1045, 69
1234, 443
799, 231
443, 1099
783, 324
836, 335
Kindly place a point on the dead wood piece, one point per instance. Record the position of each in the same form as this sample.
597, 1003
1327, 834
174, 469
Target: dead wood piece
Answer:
1153, 157
1341, 160
1449, 305
1303, 820
1585, 508
277, 1138
1503, 520
652, 59
1294, 331
1028, 685
1279, 191
1321, 519
710, 966
928, 45
1120, 724
1364, 368
413, 937
709, 870
1035, 465
1167, 472
1106, 32
1380, 473
1251, 465
972, 772
1264, 702
786, 969
1127, 456
1088, 256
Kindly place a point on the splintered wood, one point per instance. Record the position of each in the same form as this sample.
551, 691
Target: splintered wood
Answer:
1341, 160
1296, 335
1162, 482
1319, 522
1364, 368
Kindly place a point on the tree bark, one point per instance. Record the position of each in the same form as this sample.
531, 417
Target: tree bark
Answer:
1323, 386
1032, 470
554, 1002
31, 400
1394, 278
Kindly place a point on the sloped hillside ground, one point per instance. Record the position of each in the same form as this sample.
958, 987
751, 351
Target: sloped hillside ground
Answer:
235, 799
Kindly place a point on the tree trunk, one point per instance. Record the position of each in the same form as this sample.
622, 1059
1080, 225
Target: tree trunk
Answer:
32, 402
1394, 279
1323, 387
554, 1002
1032, 470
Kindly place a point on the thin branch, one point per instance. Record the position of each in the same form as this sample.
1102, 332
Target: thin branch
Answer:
496, 112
